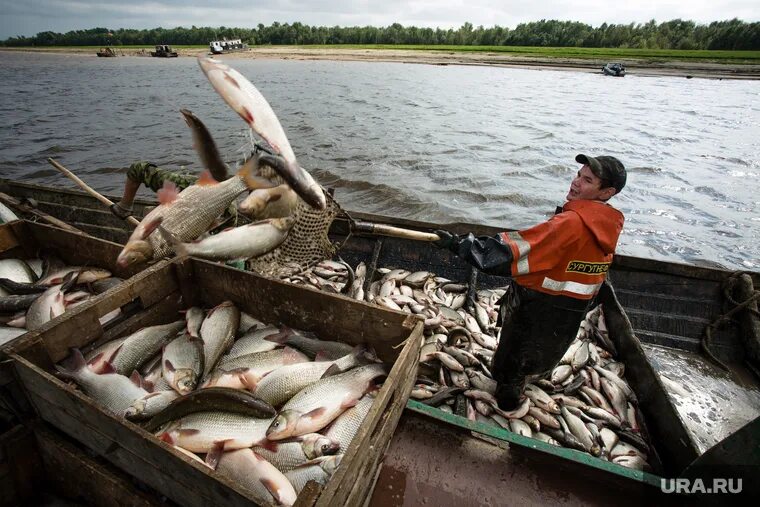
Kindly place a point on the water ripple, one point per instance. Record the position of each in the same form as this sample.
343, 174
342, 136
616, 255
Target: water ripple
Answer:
445, 144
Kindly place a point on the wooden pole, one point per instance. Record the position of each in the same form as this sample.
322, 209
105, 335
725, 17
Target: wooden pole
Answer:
88, 189
395, 232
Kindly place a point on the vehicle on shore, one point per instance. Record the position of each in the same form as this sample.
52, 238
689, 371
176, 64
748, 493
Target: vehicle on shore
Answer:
218, 47
164, 51
614, 69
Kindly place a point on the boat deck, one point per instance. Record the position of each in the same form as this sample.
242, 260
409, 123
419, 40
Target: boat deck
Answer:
689, 403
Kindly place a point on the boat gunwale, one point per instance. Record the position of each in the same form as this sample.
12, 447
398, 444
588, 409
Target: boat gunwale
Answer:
619, 262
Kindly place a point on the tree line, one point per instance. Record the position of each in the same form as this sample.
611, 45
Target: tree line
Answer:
731, 34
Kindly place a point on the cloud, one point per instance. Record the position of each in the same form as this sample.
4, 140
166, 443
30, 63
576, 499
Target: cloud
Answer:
33, 16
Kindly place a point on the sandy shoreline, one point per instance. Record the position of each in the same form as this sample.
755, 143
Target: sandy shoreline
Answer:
633, 66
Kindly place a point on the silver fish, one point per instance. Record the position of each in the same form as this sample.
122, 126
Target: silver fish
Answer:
244, 242
268, 485
150, 405
287, 455
344, 428
286, 381
245, 372
247, 322
578, 428
101, 356
318, 470
616, 397
312, 347
17, 270
277, 202
48, 306
142, 345
194, 318
204, 431
253, 341
83, 275
218, 333
115, 392
250, 104
9, 333
186, 215
316, 406
182, 363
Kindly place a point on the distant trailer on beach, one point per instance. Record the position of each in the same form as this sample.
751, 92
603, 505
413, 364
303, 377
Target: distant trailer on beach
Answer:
218, 47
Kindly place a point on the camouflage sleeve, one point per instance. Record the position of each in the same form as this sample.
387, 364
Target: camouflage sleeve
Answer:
153, 177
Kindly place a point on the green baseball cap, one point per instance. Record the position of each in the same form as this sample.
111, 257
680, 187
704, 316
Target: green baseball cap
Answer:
607, 168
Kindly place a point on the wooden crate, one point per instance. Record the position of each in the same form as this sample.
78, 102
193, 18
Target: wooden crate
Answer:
40, 465
161, 291
24, 239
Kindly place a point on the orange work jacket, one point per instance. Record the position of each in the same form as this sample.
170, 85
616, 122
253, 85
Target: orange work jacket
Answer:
568, 255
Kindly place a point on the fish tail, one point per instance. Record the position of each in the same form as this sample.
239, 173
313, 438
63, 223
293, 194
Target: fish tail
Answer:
72, 364
250, 174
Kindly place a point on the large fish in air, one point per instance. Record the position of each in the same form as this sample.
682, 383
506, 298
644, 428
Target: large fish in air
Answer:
251, 105
187, 214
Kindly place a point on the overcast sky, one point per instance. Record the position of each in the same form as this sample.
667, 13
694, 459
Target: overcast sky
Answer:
29, 17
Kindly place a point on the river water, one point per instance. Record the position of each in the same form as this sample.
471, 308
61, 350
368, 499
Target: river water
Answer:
436, 143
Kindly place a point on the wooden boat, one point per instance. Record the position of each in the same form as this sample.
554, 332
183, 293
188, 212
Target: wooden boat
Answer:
695, 411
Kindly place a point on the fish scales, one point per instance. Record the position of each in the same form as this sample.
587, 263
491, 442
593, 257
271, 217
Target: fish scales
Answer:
193, 212
286, 381
319, 470
115, 392
139, 347
268, 485
316, 406
344, 428
288, 455
218, 333
207, 428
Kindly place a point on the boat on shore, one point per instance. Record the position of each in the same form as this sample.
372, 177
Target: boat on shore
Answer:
696, 412
219, 47
614, 69
164, 51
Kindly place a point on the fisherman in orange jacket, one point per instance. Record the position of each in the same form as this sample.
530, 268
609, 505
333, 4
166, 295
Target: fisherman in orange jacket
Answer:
556, 267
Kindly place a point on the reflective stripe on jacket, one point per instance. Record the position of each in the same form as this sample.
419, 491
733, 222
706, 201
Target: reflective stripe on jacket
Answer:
567, 255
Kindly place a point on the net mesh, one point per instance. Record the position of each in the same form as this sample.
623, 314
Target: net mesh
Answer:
307, 242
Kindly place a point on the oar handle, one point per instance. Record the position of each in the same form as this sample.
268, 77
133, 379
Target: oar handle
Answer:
395, 232
73, 177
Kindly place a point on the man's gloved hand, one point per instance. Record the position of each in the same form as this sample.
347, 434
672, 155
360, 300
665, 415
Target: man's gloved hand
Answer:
447, 240
121, 211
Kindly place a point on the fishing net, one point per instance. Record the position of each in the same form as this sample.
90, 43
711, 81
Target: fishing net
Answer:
307, 242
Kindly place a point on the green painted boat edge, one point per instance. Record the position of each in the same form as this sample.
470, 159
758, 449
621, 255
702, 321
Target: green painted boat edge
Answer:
531, 443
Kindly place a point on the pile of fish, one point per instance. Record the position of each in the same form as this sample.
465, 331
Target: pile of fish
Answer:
267, 406
585, 403
34, 291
